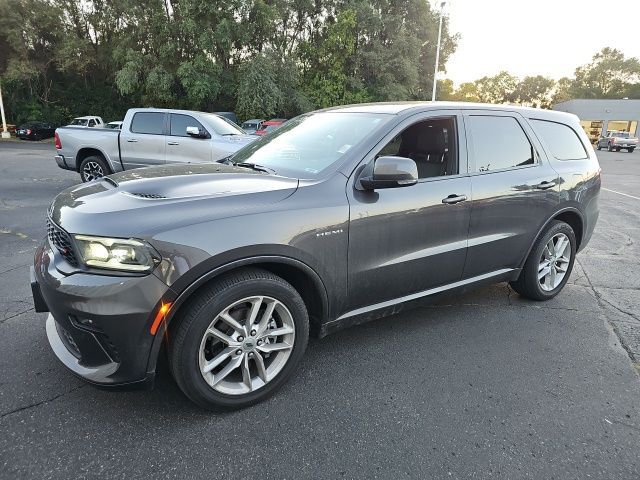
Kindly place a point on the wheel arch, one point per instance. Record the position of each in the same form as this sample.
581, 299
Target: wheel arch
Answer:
85, 152
571, 216
301, 276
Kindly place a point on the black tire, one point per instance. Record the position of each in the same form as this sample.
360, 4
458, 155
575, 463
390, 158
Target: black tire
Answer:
527, 283
92, 167
196, 317
598, 147
618, 149
630, 150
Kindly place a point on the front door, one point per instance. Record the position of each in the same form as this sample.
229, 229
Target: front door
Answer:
183, 148
143, 143
405, 241
515, 191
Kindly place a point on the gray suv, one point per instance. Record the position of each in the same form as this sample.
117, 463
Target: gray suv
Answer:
339, 217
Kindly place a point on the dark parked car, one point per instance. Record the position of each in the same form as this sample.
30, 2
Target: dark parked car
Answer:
35, 131
229, 116
341, 216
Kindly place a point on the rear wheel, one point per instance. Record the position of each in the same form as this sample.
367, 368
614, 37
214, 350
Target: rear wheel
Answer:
93, 167
239, 340
630, 150
549, 264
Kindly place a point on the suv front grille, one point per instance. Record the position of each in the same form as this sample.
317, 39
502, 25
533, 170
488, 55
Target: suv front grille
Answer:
62, 241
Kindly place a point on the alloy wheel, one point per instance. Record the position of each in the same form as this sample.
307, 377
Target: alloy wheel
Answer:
554, 263
92, 171
246, 345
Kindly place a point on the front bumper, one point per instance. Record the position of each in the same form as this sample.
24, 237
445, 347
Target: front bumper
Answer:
98, 325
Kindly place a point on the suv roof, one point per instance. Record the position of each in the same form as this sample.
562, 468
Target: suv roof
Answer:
396, 108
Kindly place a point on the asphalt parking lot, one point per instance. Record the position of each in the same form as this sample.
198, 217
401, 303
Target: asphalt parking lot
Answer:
482, 385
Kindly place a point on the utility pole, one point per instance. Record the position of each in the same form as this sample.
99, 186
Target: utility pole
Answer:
5, 132
435, 73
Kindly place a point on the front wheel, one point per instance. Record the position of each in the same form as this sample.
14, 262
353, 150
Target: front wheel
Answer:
93, 167
239, 340
630, 150
549, 263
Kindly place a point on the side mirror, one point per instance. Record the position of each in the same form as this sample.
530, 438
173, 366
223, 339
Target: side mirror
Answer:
390, 172
196, 132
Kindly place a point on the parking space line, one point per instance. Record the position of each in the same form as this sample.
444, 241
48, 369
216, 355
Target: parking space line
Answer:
620, 193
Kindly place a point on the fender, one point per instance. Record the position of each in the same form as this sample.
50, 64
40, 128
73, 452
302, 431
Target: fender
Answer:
544, 226
186, 292
106, 157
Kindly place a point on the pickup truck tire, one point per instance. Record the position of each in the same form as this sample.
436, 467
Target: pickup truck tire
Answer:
93, 167
222, 354
549, 264
630, 150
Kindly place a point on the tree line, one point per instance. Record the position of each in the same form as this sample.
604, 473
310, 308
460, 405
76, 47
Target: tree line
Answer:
60, 58
609, 75
259, 58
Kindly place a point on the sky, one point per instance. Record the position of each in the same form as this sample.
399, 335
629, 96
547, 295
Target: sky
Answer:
537, 37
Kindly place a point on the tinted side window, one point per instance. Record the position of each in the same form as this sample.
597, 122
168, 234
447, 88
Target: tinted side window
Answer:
92, 123
148, 122
562, 140
499, 143
179, 124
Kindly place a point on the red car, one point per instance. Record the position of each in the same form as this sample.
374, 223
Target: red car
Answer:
270, 125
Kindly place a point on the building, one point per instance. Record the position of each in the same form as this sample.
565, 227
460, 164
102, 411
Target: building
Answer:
598, 116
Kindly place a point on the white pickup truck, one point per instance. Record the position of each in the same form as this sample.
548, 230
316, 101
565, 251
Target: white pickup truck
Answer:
149, 136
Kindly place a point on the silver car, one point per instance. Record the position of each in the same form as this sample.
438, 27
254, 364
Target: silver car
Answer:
148, 136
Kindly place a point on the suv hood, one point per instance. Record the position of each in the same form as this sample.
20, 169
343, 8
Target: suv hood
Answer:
143, 201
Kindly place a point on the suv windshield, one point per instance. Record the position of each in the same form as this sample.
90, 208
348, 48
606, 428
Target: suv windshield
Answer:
305, 146
221, 125
620, 134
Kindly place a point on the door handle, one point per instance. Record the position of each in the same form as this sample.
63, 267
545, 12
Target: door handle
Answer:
454, 198
132, 140
173, 143
546, 185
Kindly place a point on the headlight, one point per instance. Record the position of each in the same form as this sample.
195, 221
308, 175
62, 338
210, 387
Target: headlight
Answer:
117, 254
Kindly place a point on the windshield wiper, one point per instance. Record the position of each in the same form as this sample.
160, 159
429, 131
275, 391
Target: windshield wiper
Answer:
256, 167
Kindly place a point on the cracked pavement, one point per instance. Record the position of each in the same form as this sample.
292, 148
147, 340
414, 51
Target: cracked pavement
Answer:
485, 385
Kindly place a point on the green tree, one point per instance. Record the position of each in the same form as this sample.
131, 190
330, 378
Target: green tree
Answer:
609, 75
534, 91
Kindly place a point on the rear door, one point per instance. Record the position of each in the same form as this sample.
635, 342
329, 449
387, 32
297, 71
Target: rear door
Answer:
183, 148
143, 143
515, 190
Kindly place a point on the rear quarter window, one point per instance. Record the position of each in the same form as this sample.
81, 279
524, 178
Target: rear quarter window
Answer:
148, 122
562, 140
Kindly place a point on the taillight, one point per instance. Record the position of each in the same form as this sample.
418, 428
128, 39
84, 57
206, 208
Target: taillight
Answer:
28, 131
58, 143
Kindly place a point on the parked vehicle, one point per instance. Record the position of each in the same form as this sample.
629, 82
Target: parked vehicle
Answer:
269, 126
347, 215
148, 136
251, 126
35, 131
613, 140
87, 122
229, 116
114, 125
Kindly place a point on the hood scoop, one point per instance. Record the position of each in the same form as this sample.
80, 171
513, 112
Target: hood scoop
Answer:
145, 195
